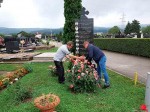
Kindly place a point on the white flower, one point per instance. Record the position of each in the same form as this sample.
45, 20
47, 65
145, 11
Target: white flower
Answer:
82, 74
16, 79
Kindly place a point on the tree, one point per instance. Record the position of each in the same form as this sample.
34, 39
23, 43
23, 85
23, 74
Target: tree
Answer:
128, 28
146, 29
2, 35
135, 26
72, 11
114, 30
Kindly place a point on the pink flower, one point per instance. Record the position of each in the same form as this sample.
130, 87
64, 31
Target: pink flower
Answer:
88, 63
82, 66
87, 71
79, 71
71, 86
68, 70
79, 77
92, 66
76, 62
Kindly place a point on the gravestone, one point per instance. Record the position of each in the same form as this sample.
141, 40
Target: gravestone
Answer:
83, 31
1, 1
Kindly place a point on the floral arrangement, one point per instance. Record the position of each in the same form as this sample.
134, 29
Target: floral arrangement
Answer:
11, 77
82, 77
47, 103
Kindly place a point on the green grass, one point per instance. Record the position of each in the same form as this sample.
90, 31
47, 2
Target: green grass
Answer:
49, 50
123, 96
9, 67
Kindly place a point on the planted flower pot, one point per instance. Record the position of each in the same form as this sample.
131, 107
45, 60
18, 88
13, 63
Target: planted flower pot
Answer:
47, 103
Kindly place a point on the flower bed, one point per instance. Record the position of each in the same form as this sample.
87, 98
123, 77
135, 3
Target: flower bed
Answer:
82, 77
11, 77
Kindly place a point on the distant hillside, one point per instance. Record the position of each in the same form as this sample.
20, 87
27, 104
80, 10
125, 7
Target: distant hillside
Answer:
43, 30
28, 30
4, 30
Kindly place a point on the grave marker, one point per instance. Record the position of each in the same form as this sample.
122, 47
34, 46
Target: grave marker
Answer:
83, 31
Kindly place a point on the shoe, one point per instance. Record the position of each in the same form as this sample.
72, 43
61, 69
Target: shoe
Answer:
106, 86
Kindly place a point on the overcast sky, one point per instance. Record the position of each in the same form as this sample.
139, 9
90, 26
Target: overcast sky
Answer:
49, 13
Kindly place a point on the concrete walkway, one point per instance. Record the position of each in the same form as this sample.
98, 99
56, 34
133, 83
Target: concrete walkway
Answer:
128, 64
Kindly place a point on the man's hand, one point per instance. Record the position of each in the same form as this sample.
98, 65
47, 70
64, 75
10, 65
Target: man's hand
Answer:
82, 58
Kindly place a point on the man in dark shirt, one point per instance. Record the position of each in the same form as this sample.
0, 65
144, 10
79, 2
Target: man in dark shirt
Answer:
99, 57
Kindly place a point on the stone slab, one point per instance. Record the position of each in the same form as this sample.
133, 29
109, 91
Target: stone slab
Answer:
44, 56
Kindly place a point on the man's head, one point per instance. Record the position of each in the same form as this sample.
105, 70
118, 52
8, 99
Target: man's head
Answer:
85, 44
69, 45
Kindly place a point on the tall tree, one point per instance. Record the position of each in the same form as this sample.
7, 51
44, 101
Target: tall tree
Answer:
114, 30
128, 28
72, 11
135, 26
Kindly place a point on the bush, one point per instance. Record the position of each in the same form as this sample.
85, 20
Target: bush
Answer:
82, 77
21, 93
138, 47
52, 70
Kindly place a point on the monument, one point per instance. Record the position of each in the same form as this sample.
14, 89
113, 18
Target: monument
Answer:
1, 1
83, 31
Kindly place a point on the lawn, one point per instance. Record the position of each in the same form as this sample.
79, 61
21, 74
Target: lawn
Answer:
47, 50
123, 96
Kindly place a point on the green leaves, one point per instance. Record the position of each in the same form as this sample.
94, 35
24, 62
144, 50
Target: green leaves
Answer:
139, 47
82, 79
72, 10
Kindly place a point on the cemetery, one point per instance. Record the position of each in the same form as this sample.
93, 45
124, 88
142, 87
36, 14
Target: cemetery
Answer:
30, 76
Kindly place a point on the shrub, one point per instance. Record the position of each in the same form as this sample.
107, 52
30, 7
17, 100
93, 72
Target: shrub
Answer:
138, 47
82, 77
21, 93
52, 70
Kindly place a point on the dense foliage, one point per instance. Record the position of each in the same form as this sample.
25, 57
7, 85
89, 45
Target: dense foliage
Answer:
72, 11
139, 47
133, 27
146, 30
114, 30
82, 77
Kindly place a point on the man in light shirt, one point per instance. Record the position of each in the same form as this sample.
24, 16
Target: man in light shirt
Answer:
62, 52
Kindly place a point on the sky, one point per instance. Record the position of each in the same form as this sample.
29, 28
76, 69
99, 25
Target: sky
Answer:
50, 13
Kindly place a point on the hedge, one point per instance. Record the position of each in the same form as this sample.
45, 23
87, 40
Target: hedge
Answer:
138, 47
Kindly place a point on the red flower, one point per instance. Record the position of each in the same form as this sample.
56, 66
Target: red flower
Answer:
79, 71
88, 63
143, 107
79, 77
92, 66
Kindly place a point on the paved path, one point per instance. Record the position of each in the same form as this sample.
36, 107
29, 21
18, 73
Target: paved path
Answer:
128, 64
57, 44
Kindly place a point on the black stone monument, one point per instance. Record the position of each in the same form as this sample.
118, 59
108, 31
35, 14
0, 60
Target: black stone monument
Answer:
83, 31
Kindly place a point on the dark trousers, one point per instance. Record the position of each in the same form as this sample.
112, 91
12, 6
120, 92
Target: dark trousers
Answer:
60, 71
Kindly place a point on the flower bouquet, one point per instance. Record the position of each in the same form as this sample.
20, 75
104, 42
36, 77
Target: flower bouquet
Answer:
82, 77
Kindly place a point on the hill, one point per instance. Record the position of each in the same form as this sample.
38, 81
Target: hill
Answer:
4, 30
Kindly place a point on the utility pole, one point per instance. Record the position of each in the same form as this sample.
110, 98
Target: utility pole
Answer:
123, 21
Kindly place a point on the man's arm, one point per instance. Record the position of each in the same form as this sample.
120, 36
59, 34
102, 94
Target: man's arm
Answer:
90, 54
71, 56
